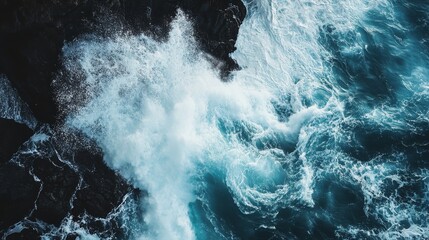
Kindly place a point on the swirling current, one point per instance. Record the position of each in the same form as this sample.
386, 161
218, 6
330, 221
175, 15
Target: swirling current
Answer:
322, 134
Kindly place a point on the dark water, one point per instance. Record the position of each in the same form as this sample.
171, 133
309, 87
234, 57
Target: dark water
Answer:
323, 134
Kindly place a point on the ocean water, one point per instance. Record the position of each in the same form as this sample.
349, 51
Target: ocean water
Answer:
323, 133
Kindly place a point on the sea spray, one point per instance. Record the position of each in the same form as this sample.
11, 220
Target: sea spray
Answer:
308, 139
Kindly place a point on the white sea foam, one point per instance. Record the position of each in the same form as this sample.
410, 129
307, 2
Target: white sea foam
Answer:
164, 118
156, 115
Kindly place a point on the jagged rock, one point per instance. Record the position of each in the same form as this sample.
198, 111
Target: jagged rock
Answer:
12, 135
18, 193
217, 24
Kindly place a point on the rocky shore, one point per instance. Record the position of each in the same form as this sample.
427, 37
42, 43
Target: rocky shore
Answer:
44, 183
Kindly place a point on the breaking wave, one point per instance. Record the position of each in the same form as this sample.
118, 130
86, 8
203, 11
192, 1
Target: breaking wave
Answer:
323, 133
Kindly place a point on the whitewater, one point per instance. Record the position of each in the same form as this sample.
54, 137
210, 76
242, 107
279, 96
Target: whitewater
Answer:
322, 133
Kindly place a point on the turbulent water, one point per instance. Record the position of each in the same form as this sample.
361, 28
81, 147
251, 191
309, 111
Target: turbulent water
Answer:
323, 133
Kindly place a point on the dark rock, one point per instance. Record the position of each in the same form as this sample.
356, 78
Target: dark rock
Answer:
102, 190
31, 37
59, 184
217, 24
26, 233
30, 59
18, 193
12, 135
